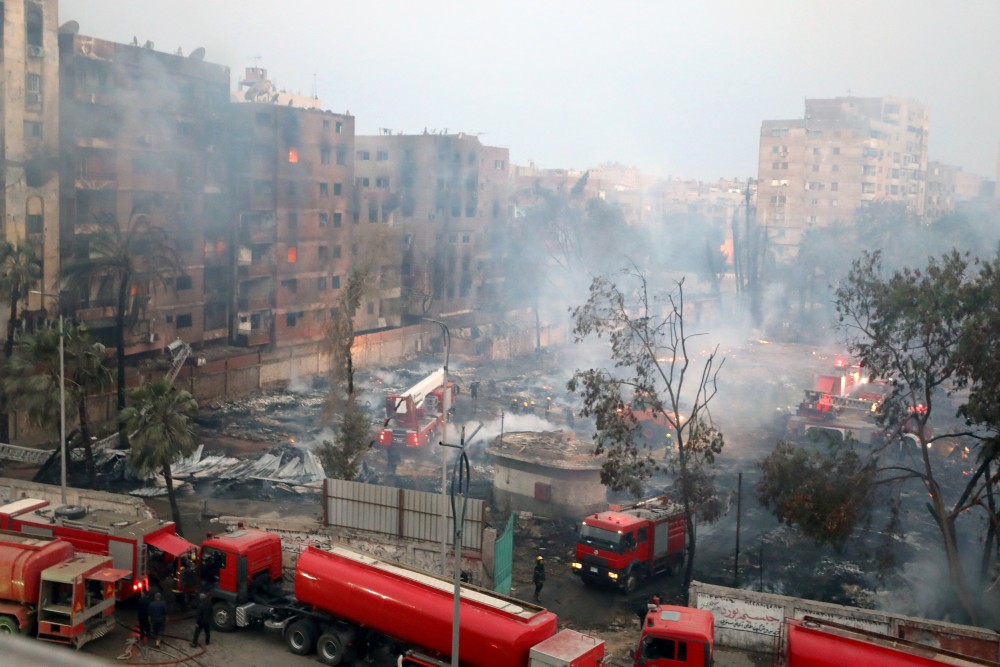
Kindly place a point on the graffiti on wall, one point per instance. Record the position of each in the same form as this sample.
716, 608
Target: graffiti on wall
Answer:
743, 615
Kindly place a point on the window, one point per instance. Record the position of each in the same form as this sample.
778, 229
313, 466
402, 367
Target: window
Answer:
362, 182
654, 648
263, 188
340, 129
184, 282
321, 283
293, 220
32, 83
324, 252
815, 151
338, 219
33, 26
293, 155
338, 189
335, 282
183, 321
341, 153
324, 190
836, 150
32, 130
835, 167
382, 182
291, 319
324, 218
336, 252
499, 165
326, 124
324, 156
815, 167
370, 308
293, 188
466, 238
363, 155
868, 170
293, 254
372, 213
382, 156
291, 284
868, 188
834, 186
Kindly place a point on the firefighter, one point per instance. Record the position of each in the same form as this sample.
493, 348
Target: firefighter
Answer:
539, 577
157, 616
203, 621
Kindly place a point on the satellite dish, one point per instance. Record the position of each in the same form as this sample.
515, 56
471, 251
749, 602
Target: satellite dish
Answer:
69, 28
198, 54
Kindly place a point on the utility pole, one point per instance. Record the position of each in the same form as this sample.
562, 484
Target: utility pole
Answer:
739, 503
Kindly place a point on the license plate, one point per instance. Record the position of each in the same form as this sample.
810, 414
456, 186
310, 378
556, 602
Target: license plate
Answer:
594, 570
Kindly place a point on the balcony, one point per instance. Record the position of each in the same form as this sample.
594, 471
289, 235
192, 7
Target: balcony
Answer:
254, 338
254, 303
258, 270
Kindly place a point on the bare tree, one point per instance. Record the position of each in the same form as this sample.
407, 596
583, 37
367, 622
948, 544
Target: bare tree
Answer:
652, 371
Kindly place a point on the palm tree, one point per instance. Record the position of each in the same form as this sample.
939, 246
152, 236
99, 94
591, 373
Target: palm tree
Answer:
33, 379
159, 423
19, 272
117, 260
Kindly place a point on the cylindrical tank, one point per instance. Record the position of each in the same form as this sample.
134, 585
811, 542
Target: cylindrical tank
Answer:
812, 647
22, 559
415, 607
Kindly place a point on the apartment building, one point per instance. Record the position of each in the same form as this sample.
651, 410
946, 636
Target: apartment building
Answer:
443, 194
139, 135
291, 190
846, 151
29, 104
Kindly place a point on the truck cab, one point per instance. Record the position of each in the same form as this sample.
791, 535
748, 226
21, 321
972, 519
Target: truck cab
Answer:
237, 566
674, 636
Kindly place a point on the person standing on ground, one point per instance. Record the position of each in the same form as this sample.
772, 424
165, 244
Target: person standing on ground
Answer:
203, 621
142, 612
157, 617
539, 577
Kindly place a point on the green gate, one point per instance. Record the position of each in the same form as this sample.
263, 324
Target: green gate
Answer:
503, 559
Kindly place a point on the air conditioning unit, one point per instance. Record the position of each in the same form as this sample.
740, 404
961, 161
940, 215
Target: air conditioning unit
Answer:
33, 98
152, 337
200, 361
35, 51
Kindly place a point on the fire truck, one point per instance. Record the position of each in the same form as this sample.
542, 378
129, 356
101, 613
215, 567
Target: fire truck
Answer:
51, 592
416, 416
625, 544
148, 549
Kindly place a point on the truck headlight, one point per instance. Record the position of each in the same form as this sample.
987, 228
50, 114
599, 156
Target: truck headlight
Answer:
613, 575
576, 566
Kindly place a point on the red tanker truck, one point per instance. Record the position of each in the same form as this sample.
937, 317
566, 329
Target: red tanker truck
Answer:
49, 591
344, 599
624, 545
674, 636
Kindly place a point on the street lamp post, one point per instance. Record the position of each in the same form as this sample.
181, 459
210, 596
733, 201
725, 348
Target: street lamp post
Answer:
446, 396
62, 398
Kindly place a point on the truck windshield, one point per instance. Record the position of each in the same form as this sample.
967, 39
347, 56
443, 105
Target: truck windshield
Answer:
601, 538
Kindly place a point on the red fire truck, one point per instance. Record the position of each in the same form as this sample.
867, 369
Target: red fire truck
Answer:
49, 591
416, 416
626, 544
148, 549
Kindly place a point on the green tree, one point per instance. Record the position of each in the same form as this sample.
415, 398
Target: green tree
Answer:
927, 331
20, 271
158, 420
34, 379
652, 369
118, 260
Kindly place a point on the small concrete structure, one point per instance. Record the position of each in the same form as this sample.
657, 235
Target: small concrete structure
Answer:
553, 474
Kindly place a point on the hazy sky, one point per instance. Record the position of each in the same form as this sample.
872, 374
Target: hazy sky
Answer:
674, 87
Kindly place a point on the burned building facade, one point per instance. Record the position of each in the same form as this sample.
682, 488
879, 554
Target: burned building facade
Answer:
443, 194
140, 139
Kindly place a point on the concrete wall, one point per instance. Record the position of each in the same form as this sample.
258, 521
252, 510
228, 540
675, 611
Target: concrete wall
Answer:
15, 489
752, 621
574, 493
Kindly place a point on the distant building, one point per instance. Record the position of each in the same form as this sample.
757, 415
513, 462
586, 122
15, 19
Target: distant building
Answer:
846, 151
949, 188
30, 108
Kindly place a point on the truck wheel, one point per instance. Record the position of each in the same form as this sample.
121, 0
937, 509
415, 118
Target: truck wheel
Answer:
223, 617
330, 648
631, 582
300, 637
8, 626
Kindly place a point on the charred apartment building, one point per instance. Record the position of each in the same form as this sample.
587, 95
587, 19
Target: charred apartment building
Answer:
845, 152
444, 196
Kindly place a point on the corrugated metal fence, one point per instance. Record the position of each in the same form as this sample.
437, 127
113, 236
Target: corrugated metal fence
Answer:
402, 513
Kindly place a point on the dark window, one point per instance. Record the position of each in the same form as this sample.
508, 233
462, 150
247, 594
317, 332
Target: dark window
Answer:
340, 129
363, 155
324, 218
341, 153
324, 190
321, 283
338, 219
338, 189
184, 282
293, 220
32, 130
335, 282
324, 156
291, 319
373, 213
183, 321
336, 252
324, 252
291, 284
382, 156
33, 25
